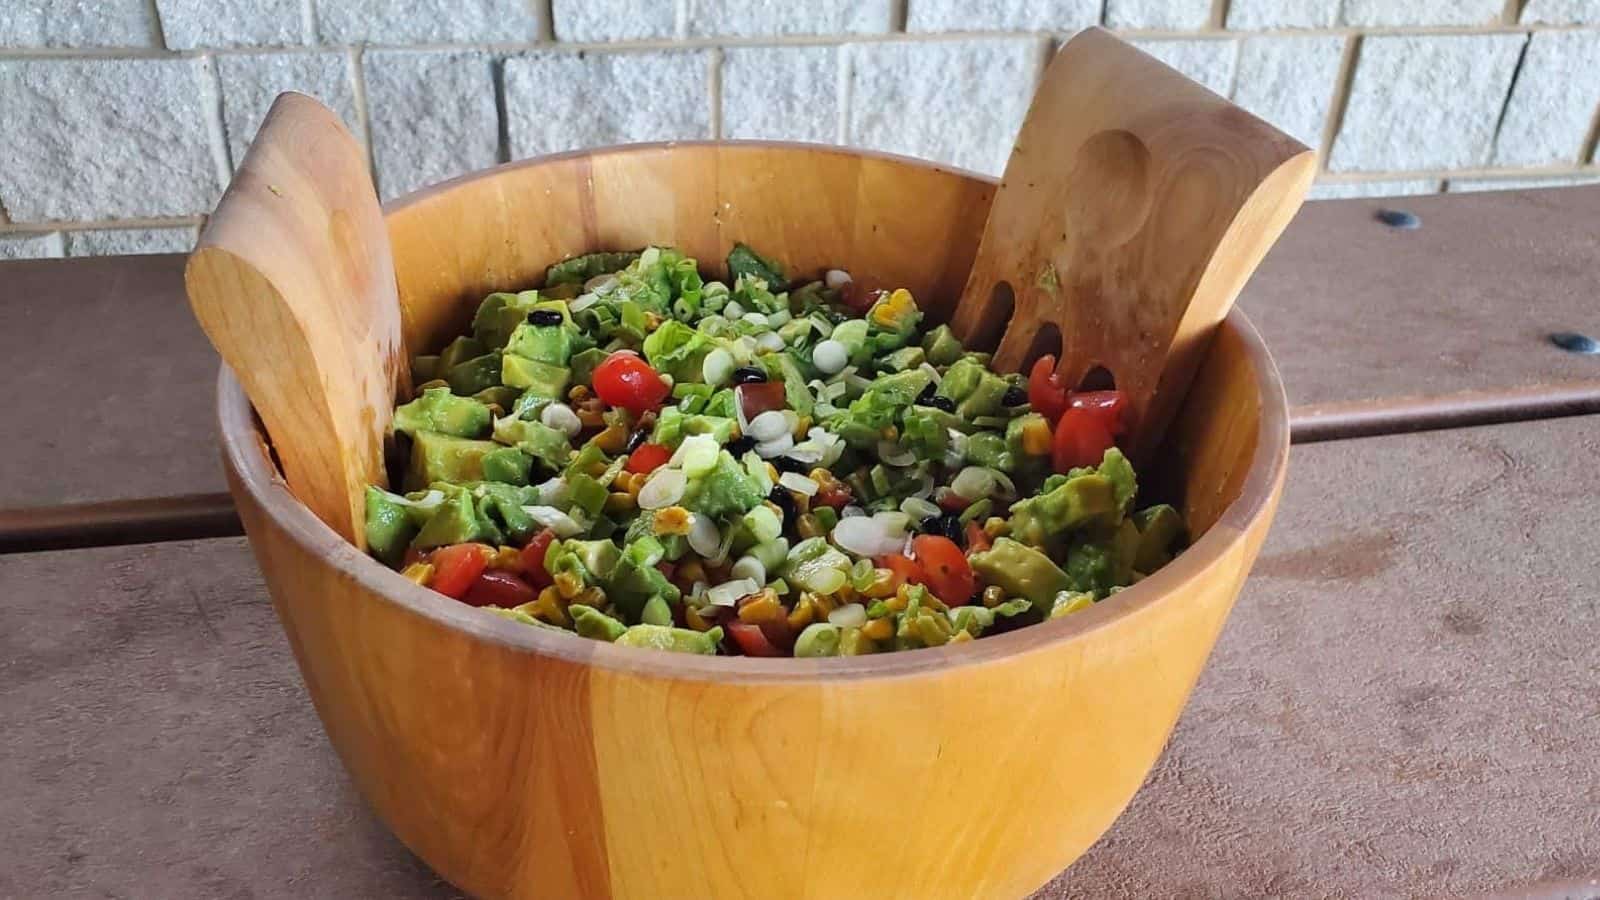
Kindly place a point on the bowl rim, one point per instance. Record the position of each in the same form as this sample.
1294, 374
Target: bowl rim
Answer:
245, 450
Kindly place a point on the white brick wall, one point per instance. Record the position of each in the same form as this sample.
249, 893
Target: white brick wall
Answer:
120, 119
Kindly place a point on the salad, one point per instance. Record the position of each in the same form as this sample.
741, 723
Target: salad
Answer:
769, 467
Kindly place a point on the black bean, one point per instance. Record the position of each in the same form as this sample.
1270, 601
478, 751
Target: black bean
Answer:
544, 317
637, 438
940, 401
741, 445
927, 394
748, 375
785, 464
950, 527
781, 498
1014, 396
931, 525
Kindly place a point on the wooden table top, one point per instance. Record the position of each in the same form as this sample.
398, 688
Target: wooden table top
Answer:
1402, 703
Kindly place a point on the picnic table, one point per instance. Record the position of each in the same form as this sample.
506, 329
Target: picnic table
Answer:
1404, 701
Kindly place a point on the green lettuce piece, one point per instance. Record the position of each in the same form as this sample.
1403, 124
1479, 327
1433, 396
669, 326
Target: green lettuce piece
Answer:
678, 350
441, 411
783, 366
924, 433
861, 423
744, 262
594, 624
755, 295
676, 640
582, 268
725, 491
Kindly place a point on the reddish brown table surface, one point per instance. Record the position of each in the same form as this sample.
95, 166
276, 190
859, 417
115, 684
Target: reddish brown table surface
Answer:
1403, 703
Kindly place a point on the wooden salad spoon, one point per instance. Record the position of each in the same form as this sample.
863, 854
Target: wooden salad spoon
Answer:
1134, 207
293, 282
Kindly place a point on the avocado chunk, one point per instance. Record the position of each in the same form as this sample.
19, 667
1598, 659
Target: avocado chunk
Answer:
1077, 502
593, 561
986, 396
389, 527
441, 411
960, 379
500, 313
457, 521
439, 457
634, 580
549, 344
594, 624
539, 378
457, 352
583, 364
676, 640
1021, 571
477, 374
1115, 468
503, 503
905, 358
508, 465
942, 346
1160, 526
988, 448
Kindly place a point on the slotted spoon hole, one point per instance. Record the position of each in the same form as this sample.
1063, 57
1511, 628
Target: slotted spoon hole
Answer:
1002, 303
1047, 340
1098, 378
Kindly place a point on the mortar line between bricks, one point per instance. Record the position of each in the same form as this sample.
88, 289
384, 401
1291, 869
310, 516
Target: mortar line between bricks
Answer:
700, 43
1339, 101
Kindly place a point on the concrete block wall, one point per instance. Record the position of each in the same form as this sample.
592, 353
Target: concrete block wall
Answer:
121, 120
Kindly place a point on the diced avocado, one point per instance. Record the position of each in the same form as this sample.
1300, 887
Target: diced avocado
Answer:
582, 268
1075, 503
586, 494
508, 465
853, 335
476, 374
1114, 467
988, 448
389, 527
499, 315
819, 639
457, 352
440, 411
1160, 526
923, 433
656, 611
960, 379
1020, 571
598, 559
543, 379
635, 579
676, 640
424, 369
1124, 550
985, 397
550, 344
567, 291
678, 350
457, 521
440, 457
548, 445
942, 346
500, 395
744, 261
975, 620
726, 490
583, 364
1092, 567
504, 504
905, 358
1018, 433
594, 624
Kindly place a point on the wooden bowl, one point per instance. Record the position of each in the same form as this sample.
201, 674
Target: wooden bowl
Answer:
521, 763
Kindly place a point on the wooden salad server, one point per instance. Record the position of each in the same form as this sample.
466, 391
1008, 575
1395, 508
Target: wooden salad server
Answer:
1134, 207
293, 282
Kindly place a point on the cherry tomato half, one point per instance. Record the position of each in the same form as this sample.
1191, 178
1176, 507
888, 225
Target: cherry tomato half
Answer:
978, 540
949, 576
623, 379
647, 458
496, 587
751, 640
457, 566
758, 397
533, 559
1045, 391
1081, 440
906, 570
1108, 405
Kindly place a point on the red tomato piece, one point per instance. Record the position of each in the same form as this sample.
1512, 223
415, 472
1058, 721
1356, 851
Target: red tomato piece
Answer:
457, 566
906, 570
751, 640
496, 587
978, 540
950, 501
758, 397
858, 299
1081, 440
533, 559
623, 379
1108, 405
949, 576
667, 569
647, 458
1045, 391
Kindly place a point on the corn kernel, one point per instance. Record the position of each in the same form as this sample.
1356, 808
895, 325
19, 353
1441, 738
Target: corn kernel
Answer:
612, 439
878, 629
996, 526
765, 608
772, 472
420, 572
801, 427
671, 520
652, 320
620, 501
846, 594
568, 585
694, 620
802, 502
824, 603
993, 596
548, 607
807, 526
883, 584
634, 483
691, 570
578, 392
804, 612
1036, 438
591, 418
890, 432
506, 558
591, 596
960, 637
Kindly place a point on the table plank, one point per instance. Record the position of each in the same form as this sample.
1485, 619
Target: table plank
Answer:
1403, 703
1374, 327
112, 385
